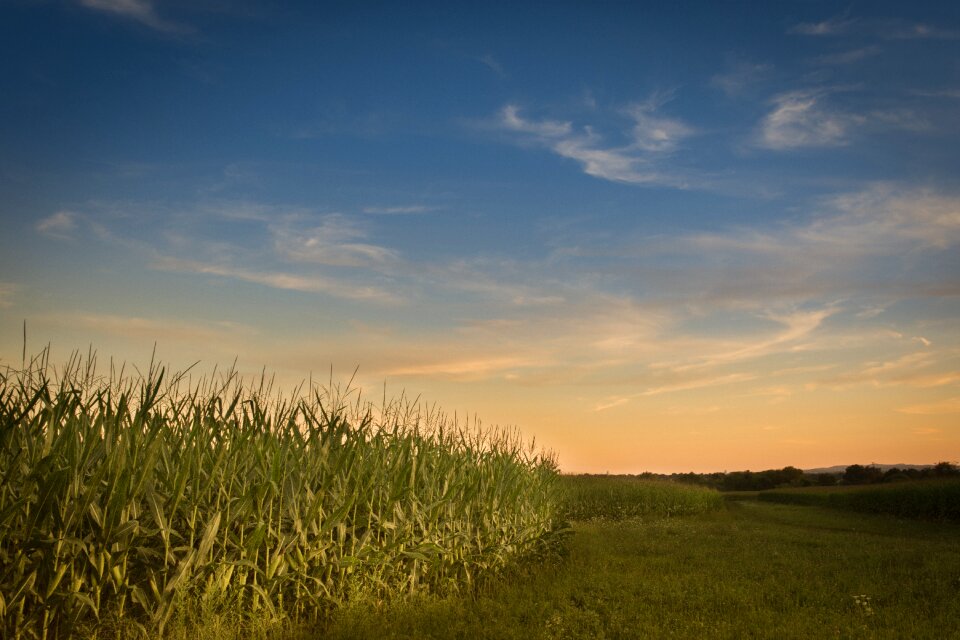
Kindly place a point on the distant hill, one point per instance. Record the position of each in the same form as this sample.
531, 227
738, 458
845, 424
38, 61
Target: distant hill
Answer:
840, 468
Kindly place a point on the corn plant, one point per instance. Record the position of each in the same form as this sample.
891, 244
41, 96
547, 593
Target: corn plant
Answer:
124, 497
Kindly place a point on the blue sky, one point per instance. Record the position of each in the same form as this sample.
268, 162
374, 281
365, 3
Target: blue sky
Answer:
723, 235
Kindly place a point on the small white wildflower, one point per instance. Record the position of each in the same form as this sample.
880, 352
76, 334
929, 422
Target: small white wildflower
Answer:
863, 605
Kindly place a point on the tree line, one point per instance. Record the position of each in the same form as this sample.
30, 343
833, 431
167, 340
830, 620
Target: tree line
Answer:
854, 474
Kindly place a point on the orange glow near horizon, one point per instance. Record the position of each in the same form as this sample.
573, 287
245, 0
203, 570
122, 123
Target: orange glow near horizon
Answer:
756, 415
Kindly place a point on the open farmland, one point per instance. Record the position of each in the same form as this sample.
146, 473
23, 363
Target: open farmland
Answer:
157, 507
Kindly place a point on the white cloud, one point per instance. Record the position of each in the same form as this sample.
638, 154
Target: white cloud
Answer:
510, 118
795, 326
279, 280
883, 220
920, 31
795, 293
829, 27
142, 11
463, 369
7, 290
919, 370
401, 210
610, 403
335, 242
887, 29
950, 405
937, 93
652, 136
689, 385
656, 133
614, 164
154, 329
848, 57
847, 250
493, 64
800, 119
61, 225
739, 76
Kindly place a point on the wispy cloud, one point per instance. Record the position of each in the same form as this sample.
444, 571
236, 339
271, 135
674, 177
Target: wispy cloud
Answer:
654, 133
493, 64
795, 291
803, 119
830, 27
142, 11
950, 405
398, 211
334, 242
937, 93
473, 368
731, 378
795, 326
919, 31
889, 29
808, 118
739, 76
62, 225
834, 254
651, 137
851, 56
288, 248
279, 280
7, 291
605, 316
918, 370
547, 129
883, 220
610, 403
156, 329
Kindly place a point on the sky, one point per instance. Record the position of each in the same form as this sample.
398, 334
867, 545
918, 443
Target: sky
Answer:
705, 236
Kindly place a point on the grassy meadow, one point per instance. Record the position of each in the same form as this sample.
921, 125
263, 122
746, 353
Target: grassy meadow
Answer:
156, 506
751, 569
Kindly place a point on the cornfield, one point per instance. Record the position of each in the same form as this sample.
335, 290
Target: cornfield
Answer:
596, 497
123, 497
931, 499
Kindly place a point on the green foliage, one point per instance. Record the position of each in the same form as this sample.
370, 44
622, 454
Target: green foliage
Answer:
859, 474
755, 480
132, 504
617, 497
926, 499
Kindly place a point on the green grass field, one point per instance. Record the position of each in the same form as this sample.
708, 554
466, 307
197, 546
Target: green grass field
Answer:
750, 570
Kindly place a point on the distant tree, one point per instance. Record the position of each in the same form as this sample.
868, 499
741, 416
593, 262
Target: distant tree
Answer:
859, 474
789, 477
895, 474
825, 479
739, 481
945, 469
